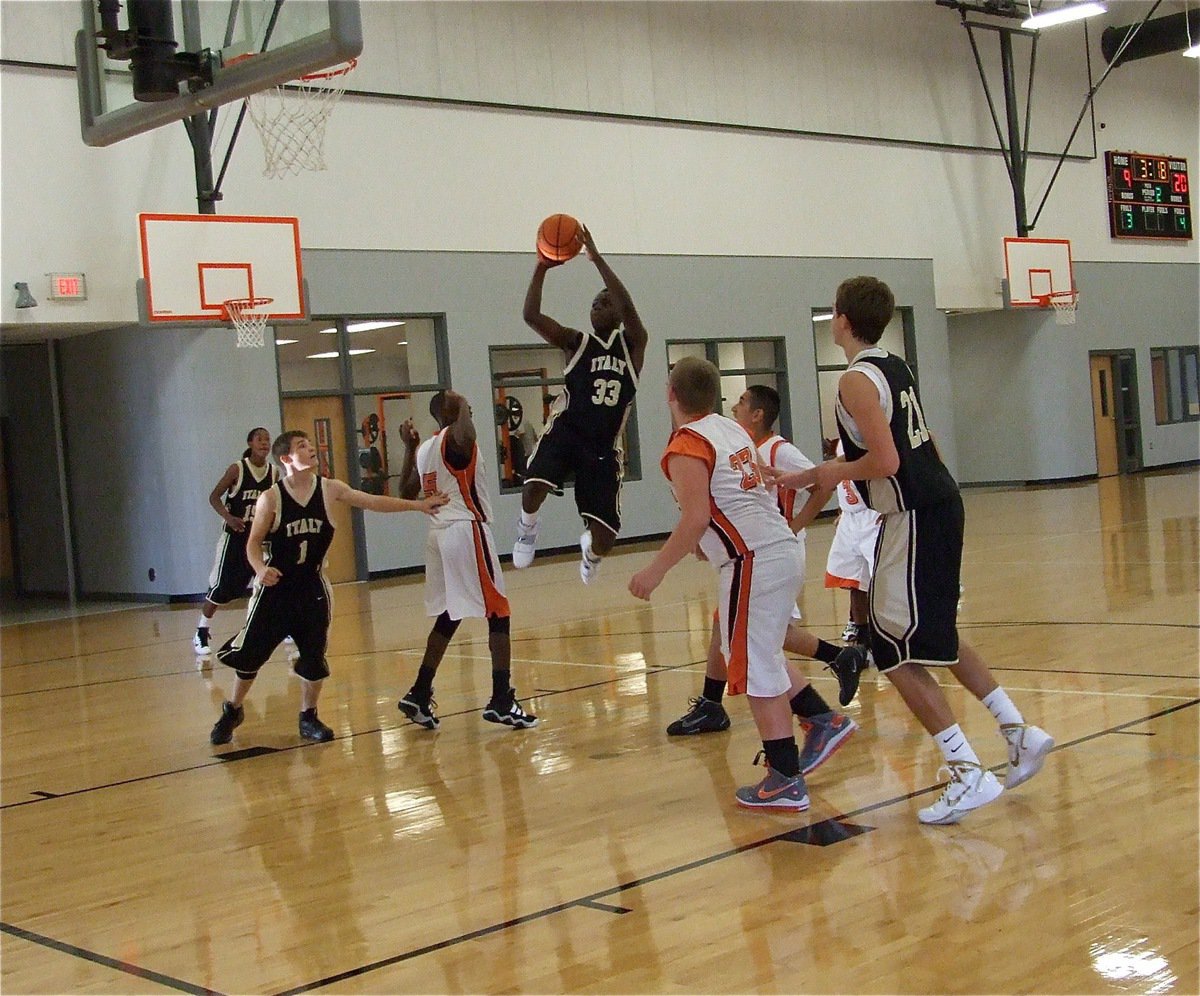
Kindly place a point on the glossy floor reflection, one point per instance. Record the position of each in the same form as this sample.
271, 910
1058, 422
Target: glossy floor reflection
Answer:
592, 854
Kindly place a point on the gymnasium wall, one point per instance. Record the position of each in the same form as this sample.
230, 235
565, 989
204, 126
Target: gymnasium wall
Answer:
734, 160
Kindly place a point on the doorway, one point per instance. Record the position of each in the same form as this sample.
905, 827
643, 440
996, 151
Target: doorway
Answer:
325, 422
1115, 416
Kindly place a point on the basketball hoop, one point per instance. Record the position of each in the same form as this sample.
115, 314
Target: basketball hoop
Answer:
1064, 303
249, 322
291, 117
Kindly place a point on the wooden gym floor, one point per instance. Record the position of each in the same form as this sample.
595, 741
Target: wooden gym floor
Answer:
594, 855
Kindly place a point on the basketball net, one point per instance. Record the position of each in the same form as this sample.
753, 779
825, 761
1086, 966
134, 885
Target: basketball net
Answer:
291, 117
1064, 304
249, 322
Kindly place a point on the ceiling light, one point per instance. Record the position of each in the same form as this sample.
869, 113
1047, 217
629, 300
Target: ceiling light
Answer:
402, 342
371, 326
335, 354
359, 352
824, 316
285, 342
1061, 15
327, 332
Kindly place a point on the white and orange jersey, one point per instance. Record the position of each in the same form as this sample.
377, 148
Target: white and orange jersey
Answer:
744, 515
849, 500
775, 451
469, 501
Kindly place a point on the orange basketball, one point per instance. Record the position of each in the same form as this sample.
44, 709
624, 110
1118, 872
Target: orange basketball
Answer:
559, 237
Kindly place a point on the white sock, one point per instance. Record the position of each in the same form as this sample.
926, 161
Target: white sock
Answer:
528, 519
955, 746
1001, 707
203, 623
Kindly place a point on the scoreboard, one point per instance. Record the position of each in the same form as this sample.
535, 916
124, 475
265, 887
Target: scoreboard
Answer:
1147, 196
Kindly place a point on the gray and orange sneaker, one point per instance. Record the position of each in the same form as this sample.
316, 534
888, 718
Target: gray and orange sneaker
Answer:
823, 735
776, 791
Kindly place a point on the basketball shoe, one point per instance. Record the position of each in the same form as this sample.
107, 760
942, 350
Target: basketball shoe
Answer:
776, 791
704, 716
312, 728
231, 719
507, 711
200, 642
971, 785
852, 633
849, 664
823, 735
526, 544
419, 710
589, 564
1027, 750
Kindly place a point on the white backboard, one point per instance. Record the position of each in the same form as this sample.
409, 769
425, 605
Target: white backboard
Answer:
1037, 267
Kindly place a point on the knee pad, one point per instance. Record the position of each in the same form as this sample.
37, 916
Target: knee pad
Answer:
499, 624
444, 626
311, 670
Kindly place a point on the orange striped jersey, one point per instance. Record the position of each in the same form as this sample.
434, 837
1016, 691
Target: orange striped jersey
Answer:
849, 499
775, 451
469, 501
744, 515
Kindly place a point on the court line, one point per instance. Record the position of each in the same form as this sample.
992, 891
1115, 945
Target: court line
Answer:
591, 900
121, 966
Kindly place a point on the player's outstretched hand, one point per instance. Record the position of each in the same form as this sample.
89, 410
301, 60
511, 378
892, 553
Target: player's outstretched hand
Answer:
433, 502
643, 583
773, 477
408, 433
270, 577
545, 262
589, 244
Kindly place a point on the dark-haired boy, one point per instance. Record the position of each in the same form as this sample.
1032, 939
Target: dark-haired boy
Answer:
891, 456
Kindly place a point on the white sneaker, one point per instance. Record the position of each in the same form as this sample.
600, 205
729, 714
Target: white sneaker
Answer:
850, 633
588, 564
526, 544
200, 643
289, 646
971, 785
1027, 750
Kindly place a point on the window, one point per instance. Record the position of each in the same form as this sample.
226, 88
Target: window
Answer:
525, 382
742, 362
1173, 370
898, 339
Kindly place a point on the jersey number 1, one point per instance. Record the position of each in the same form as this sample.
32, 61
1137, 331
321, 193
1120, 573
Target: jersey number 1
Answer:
918, 433
303, 552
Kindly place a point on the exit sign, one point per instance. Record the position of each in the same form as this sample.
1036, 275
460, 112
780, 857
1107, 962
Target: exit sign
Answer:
68, 287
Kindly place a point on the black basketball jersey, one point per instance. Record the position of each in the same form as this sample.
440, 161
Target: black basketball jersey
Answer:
600, 385
922, 478
241, 498
301, 535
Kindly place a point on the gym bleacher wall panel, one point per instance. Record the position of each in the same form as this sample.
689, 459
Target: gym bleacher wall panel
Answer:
705, 144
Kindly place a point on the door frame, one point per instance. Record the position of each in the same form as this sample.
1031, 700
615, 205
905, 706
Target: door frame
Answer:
1126, 408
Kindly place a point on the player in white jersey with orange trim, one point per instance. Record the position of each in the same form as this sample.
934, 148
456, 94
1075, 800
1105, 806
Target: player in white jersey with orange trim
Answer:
757, 411
724, 509
852, 555
462, 569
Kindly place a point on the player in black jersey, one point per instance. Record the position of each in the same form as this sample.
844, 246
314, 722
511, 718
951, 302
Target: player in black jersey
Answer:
291, 595
583, 432
891, 456
233, 499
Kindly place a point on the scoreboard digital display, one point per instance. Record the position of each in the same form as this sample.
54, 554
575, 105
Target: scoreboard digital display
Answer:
1148, 196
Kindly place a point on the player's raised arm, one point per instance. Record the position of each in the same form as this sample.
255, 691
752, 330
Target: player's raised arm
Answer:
462, 429
340, 491
635, 331
410, 480
564, 338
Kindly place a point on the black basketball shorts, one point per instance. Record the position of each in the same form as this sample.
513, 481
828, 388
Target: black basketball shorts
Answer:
914, 590
231, 573
561, 452
300, 610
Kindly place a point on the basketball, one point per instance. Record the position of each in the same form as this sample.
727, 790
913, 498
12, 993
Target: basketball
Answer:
559, 238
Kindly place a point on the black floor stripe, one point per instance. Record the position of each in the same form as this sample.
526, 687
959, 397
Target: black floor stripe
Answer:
45, 795
605, 907
595, 897
121, 966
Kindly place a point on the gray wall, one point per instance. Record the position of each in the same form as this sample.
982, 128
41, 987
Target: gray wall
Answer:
1021, 387
152, 418
35, 499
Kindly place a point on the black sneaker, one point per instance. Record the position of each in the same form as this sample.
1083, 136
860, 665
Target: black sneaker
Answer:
419, 710
312, 728
231, 719
705, 716
850, 662
508, 712
200, 642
